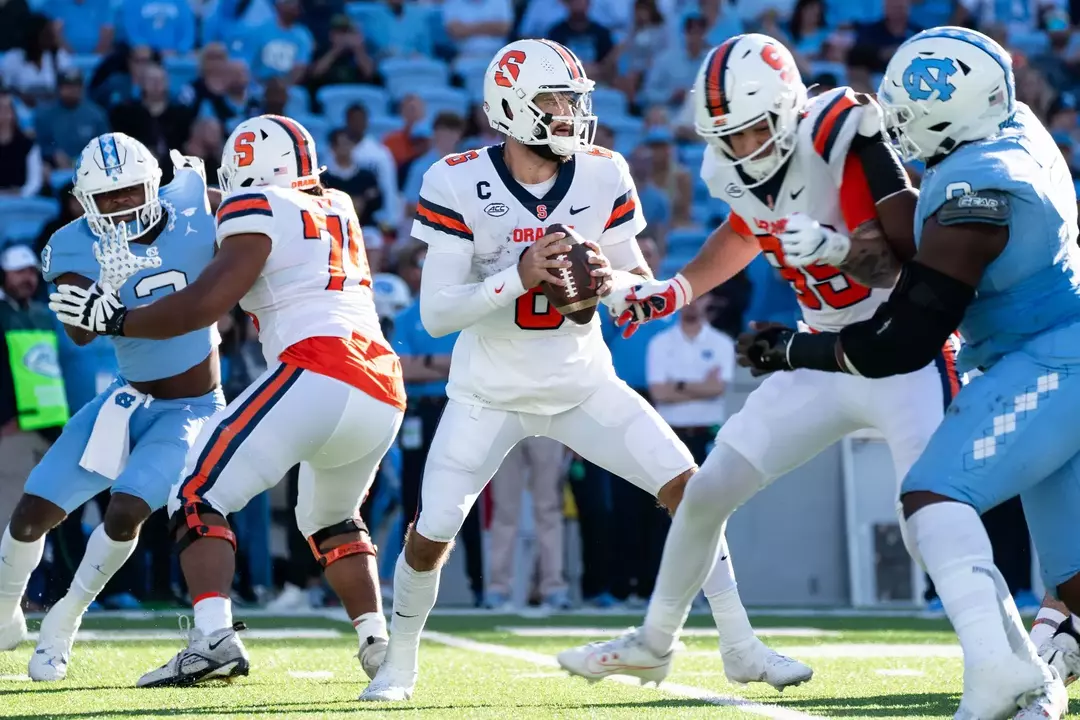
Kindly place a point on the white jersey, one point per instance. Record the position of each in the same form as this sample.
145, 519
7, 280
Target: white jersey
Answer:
316, 281
525, 356
820, 180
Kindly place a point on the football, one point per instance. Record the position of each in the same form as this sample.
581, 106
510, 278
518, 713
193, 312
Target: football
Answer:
576, 300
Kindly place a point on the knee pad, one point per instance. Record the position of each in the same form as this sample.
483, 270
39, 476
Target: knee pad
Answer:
362, 545
190, 516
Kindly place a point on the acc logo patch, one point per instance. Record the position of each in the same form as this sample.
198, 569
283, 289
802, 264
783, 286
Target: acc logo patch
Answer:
735, 190
496, 209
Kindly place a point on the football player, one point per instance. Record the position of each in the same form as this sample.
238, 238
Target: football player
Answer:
784, 163
996, 231
520, 368
290, 252
133, 437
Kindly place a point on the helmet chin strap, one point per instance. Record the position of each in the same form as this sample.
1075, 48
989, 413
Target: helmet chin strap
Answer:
762, 166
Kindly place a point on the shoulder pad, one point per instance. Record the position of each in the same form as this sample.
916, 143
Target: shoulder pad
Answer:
69, 250
242, 204
834, 122
985, 206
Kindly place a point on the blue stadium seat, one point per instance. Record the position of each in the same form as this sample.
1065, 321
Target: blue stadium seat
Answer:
837, 70
87, 64
691, 155
672, 264
336, 99
407, 75
319, 128
380, 125
299, 102
608, 101
25, 217
471, 71
627, 130
181, 71
368, 15
444, 99
686, 241
59, 178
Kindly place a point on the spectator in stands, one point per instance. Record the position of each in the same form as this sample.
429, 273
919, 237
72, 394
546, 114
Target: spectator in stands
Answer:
876, 42
15, 18
588, 39
646, 42
154, 119
64, 127
689, 366
604, 137
403, 32
478, 130
280, 46
1033, 89
447, 131
205, 142
206, 94
117, 78
405, 145
345, 174
671, 75
21, 171
372, 155
809, 30
655, 202
238, 103
87, 27
721, 19
1059, 59
346, 59
275, 96
478, 27
538, 464
319, 17
668, 174
32, 403
1062, 115
229, 21
31, 69
168, 26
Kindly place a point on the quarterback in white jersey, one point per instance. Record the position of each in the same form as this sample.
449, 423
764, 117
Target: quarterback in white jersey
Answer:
792, 170
290, 252
519, 368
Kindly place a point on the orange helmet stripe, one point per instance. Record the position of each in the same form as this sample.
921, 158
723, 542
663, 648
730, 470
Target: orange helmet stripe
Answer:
300, 144
715, 99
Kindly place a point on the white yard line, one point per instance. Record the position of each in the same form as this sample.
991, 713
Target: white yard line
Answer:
548, 631
686, 691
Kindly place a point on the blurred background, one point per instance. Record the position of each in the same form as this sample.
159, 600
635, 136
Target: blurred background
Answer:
386, 89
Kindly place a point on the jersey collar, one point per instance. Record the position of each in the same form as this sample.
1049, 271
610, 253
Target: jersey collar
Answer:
550, 201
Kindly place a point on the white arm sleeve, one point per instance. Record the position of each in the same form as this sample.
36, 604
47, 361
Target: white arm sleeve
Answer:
449, 302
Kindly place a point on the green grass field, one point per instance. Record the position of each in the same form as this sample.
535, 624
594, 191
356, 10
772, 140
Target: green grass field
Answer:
484, 666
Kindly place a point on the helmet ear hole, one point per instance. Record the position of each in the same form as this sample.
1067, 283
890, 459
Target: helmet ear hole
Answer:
507, 111
940, 127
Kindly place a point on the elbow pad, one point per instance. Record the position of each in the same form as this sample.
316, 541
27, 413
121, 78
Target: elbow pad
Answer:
908, 330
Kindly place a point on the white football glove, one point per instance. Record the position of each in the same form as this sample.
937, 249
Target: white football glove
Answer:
806, 241
118, 263
181, 161
95, 309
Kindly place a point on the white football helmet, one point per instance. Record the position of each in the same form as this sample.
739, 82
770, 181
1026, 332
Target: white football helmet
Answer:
115, 161
392, 295
269, 150
527, 68
944, 87
747, 79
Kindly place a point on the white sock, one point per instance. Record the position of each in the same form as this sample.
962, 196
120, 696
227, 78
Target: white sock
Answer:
722, 592
102, 559
958, 557
17, 561
370, 624
414, 596
725, 481
213, 612
1046, 624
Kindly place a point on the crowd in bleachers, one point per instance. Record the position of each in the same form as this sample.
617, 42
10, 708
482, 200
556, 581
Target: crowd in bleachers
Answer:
387, 87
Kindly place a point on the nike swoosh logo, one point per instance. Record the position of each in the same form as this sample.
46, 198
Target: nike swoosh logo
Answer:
500, 288
797, 193
403, 616
722, 559
214, 646
575, 211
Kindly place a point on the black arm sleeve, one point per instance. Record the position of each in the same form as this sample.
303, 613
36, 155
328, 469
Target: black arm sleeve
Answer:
884, 173
908, 330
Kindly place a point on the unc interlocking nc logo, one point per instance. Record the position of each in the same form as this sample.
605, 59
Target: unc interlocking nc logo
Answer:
926, 76
125, 400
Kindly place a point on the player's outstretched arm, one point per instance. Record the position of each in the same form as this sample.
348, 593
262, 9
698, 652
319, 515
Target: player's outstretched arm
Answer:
724, 255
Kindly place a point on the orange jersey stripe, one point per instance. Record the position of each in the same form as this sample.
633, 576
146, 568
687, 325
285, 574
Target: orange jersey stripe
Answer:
440, 219
826, 125
626, 207
739, 225
242, 206
229, 432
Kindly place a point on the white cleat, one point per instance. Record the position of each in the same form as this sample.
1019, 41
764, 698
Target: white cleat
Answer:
217, 656
1050, 703
753, 661
49, 662
999, 689
13, 632
371, 655
625, 655
390, 685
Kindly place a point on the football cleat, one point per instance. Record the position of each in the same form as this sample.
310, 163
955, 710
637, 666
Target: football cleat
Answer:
49, 662
753, 662
13, 632
371, 655
1051, 702
390, 685
217, 656
625, 655
1004, 687
1062, 652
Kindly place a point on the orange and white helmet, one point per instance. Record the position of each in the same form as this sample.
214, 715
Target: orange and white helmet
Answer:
269, 150
527, 68
745, 80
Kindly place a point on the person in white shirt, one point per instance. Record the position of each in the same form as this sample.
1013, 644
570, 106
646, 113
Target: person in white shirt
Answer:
689, 367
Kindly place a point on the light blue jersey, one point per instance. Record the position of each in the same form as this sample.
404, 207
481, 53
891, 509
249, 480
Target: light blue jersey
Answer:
1012, 430
185, 247
159, 432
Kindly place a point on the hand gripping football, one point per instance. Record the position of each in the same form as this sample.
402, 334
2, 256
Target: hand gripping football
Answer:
576, 300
